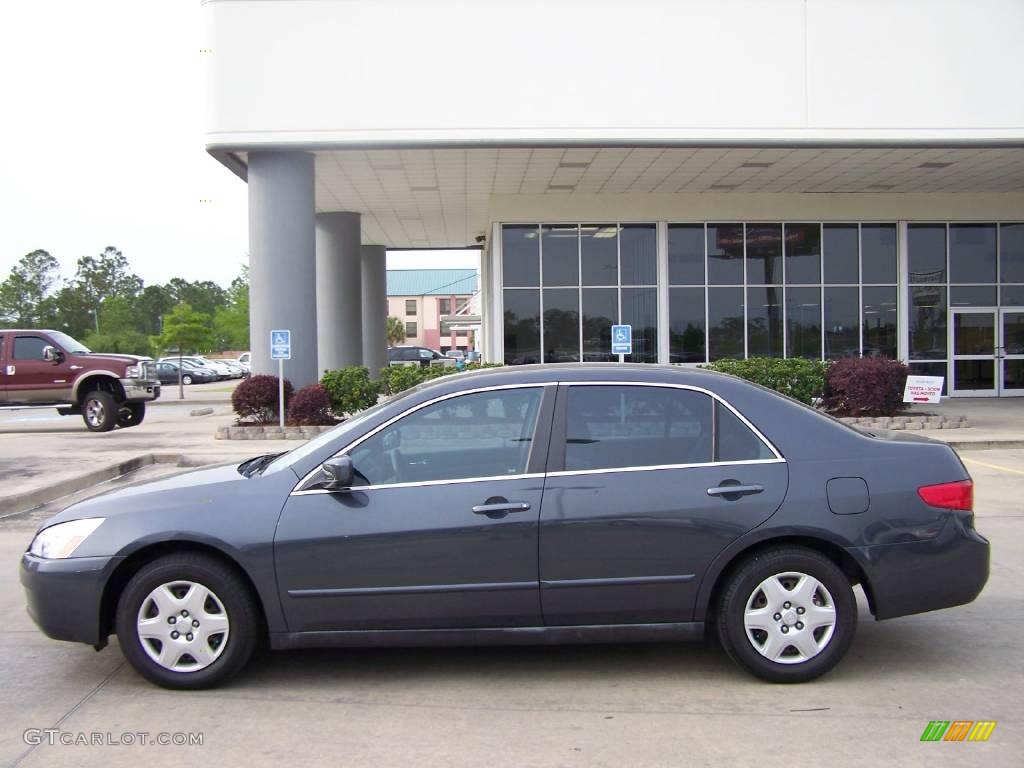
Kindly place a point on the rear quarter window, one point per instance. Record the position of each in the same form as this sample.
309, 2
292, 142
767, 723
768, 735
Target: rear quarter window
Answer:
736, 441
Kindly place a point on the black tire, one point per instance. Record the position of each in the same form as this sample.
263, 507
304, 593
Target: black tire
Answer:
229, 593
186, 379
99, 411
131, 415
743, 586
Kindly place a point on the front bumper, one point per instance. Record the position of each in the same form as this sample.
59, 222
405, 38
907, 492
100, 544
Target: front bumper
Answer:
136, 390
64, 597
915, 577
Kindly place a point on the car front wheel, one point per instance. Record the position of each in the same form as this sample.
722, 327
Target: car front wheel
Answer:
787, 615
186, 379
187, 621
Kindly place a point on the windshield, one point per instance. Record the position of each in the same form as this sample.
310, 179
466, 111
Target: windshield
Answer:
68, 344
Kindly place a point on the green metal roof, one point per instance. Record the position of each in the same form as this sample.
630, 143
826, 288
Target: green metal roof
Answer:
427, 282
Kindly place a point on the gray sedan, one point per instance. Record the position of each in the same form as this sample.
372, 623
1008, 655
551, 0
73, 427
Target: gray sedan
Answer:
538, 504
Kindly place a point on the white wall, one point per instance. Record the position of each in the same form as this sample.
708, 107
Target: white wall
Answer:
328, 72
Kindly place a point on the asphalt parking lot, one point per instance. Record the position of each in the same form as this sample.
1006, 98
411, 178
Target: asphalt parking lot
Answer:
658, 705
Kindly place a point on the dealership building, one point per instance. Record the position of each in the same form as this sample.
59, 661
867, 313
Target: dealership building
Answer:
788, 178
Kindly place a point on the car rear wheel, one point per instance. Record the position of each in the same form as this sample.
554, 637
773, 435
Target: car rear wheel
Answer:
787, 615
131, 414
187, 621
99, 411
186, 379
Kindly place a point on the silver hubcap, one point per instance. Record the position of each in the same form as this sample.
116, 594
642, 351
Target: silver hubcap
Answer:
790, 617
95, 412
183, 626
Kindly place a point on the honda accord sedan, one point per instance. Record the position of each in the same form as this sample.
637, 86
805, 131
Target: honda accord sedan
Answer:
535, 504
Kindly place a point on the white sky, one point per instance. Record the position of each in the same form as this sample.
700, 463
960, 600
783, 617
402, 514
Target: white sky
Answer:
102, 143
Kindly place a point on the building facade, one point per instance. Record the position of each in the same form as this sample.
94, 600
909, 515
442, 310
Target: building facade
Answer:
438, 307
751, 177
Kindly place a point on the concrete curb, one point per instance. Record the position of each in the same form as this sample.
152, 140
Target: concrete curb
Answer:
20, 503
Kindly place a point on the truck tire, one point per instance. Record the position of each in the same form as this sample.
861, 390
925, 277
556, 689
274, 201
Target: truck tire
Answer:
99, 411
131, 415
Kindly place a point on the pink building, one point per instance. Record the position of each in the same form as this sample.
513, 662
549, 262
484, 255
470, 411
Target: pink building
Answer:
439, 307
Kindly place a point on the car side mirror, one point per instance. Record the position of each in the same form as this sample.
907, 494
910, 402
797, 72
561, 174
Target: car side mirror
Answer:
51, 354
339, 473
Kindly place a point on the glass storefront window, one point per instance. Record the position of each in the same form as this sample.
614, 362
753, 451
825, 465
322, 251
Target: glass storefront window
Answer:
520, 255
686, 325
803, 254
1011, 295
927, 322
764, 254
764, 322
725, 254
878, 253
1011, 253
725, 323
522, 326
839, 254
878, 314
842, 322
599, 254
638, 254
972, 253
561, 325
686, 254
600, 313
560, 255
803, 322
972, 296
640, 310
926, 253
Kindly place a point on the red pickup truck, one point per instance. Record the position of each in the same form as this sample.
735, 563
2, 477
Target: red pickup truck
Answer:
49, 368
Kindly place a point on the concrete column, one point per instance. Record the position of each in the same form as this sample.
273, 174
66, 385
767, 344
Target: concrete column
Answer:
375, 308
282, 262
338, 293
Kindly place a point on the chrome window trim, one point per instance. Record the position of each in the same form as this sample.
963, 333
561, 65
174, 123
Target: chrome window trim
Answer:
300, 490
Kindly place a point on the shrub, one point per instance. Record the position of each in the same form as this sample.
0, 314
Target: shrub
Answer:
865, 386
255, 399
398, 378
803, 380
350, 389
311, 407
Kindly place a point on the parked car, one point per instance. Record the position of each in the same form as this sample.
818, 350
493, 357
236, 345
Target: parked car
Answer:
168, 373
49, 368
422, 355
524, 505
237, 371
195, 362
455, 354
245, 359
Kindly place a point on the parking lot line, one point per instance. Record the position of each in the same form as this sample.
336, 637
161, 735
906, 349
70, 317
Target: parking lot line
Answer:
993, 466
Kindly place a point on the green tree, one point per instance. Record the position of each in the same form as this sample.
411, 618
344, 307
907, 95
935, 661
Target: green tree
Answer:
151, 305
185, 331
396, 331
203, 296
24, 295
231, 322
119, 330
104, 276
72, 312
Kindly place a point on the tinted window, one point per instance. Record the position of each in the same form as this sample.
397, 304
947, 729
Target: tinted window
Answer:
561, 325
28, 348
878, 253
485, 434
840, 253
686, 325
600, 312
599, 247
686, 254
764, 254
803, 254
842, 323
1011, 253
560, 254
735, 440
725, 254
638, 254
725, 323
926, 247
972, 253
520, 255
522, 327
627, 426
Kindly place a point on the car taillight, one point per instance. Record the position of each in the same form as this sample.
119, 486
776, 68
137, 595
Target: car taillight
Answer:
958, 495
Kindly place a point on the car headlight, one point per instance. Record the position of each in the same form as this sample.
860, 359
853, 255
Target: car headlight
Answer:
133, 372
61, 540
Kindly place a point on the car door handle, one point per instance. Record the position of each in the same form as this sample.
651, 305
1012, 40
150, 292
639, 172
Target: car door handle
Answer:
500, 510
735, 490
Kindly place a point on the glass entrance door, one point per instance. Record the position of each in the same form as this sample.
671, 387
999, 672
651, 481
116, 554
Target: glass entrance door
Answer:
1010, 351
973, 362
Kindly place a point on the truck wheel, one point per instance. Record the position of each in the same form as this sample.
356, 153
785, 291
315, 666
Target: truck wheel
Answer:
99, 411
131, 415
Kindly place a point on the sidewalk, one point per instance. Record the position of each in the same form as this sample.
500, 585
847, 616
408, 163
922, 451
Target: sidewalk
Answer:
993, 421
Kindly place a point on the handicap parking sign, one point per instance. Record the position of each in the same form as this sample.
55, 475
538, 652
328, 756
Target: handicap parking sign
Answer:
280, 345
622, 339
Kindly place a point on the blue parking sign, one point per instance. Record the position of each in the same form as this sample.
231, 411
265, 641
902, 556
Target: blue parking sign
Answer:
622, 339
280, 345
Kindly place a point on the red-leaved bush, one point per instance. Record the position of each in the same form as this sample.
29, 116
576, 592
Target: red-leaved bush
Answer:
310, 407
865, 386
255, 399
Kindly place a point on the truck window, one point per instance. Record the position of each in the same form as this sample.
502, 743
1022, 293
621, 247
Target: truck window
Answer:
28, 348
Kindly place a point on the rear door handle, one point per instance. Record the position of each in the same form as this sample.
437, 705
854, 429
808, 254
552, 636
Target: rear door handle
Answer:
500, 510
735, 490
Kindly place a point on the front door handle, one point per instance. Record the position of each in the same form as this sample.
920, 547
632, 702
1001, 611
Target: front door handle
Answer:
496, 509
735, 491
